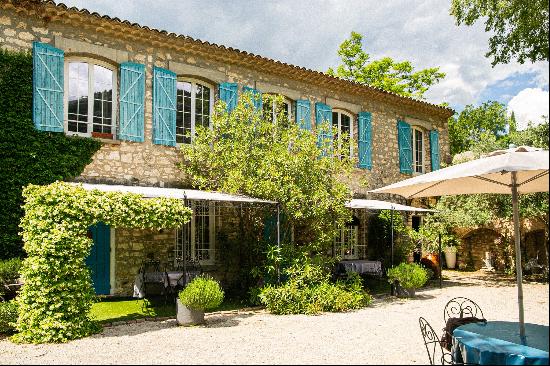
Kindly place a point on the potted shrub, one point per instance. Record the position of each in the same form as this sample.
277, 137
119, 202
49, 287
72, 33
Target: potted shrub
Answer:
450, 256
407, 277
203, 293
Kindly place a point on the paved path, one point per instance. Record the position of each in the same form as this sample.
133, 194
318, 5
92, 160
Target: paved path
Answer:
385, 333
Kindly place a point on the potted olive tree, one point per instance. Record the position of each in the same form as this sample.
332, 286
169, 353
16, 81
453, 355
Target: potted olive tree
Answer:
407, 277
203, 293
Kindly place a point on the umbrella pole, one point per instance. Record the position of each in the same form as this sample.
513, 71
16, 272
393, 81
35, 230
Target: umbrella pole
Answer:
515, 208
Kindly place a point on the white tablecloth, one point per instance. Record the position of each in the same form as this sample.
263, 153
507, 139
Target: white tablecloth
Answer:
362, 266
168, 279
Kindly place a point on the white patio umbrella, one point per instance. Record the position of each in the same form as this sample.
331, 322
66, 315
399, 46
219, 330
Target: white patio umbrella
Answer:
515, 170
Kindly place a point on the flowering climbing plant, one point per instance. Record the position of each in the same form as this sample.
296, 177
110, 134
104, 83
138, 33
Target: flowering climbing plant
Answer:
55, 301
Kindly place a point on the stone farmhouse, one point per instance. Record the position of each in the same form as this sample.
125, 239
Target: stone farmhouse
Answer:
141, 91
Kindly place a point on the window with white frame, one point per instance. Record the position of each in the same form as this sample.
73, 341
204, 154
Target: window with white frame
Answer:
194, 108
198, 237
417, 138
343, 122
271, 110
90, 98
346, 242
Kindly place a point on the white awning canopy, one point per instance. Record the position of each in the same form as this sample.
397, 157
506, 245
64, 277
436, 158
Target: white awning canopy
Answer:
383, 205
189, 194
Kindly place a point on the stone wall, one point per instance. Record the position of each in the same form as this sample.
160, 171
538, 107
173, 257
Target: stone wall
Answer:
147, 164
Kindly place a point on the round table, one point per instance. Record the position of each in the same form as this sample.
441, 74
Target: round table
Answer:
499, 343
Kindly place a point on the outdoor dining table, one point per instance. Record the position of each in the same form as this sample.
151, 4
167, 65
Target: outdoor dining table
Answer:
499, 343
168, 279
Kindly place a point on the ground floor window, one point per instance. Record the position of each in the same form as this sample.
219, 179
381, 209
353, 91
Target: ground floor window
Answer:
198, 237
346, 242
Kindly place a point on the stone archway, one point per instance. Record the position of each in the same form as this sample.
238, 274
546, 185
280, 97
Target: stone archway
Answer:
476, 243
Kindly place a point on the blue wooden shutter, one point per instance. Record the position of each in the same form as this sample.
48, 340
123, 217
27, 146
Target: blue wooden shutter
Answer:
365, 140
132, 97
405, 147
256, 95
323, 114
48, 87
164, 107
434, 149
303, 114
228, 93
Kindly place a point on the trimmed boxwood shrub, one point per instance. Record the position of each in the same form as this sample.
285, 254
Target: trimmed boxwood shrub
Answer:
203, 293
28, 155
409, 275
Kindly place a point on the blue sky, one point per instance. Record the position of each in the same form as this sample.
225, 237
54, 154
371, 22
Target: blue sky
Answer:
308, 33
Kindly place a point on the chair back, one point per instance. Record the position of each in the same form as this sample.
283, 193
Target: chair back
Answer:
436, 353
461, 307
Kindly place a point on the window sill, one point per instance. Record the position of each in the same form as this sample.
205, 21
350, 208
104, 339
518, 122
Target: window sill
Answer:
107, 141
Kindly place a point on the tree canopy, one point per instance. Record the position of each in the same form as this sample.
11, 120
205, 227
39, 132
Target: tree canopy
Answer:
484, 128
246, 152
385, 73
519, 27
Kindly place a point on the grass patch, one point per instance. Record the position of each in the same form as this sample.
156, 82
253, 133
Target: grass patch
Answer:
123, 309
119, 309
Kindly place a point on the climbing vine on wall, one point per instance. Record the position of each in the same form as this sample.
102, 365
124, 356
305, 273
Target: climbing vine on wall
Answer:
55, 301
28, 155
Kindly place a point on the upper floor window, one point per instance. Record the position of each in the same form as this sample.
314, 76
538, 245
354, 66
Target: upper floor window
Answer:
343, 123
271, 110
195, 105
90, 91
417, 139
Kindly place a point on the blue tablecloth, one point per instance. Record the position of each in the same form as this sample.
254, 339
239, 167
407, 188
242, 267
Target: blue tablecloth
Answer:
498, 343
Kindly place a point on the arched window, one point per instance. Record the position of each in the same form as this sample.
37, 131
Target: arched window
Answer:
343, 122
195, 105
271, 110
417, 138
90, 98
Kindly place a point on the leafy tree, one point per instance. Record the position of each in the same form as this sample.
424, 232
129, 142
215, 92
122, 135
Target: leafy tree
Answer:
483, 209
485, 126
245, 152
533, 135
519, 27
385, 73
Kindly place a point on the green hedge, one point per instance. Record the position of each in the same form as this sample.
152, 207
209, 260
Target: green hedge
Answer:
28, 155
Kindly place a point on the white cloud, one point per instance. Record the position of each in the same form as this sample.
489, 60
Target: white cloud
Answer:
308, 33
530, 104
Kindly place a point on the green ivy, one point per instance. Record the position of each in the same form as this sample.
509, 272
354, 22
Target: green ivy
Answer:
28, 155
55, 301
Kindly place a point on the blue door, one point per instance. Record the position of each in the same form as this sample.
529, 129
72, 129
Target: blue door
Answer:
99, 260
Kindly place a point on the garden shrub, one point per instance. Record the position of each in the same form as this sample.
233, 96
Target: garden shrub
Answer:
309, 291
55, 301
8, 316
9, 273
409, 275
28, 155
203, 293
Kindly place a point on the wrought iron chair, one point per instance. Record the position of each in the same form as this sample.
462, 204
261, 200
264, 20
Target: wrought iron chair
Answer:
461, 307
153, 279
436, 353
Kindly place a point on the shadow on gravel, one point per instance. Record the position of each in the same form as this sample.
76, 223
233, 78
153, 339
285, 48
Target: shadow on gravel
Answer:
226, 320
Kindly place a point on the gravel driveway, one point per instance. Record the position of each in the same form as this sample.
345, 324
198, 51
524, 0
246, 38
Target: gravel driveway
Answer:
385, 333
